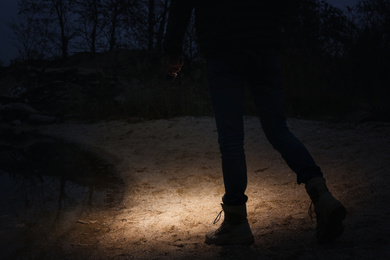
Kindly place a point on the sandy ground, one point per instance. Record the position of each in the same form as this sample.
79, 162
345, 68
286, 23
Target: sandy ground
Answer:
173, 189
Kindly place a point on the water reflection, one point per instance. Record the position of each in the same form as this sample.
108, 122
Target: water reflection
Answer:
44, 180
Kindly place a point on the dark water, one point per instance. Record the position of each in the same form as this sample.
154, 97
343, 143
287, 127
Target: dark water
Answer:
45, 184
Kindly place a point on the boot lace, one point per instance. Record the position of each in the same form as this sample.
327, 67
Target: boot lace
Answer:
311, 212
216, 220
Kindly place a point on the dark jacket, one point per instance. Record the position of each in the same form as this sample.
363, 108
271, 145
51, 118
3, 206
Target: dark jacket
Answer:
226, 24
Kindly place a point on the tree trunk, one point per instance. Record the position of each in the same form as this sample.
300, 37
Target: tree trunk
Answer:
59, 6
151, 25
160, 32
95, 21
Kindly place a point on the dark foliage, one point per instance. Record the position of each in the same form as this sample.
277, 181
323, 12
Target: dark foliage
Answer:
335, 62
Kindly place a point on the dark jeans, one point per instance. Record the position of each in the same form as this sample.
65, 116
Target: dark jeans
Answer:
260, 69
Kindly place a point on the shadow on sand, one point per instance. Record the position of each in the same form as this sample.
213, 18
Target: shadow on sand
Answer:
45, 185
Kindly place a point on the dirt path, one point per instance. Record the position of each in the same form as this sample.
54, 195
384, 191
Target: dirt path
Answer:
173, 187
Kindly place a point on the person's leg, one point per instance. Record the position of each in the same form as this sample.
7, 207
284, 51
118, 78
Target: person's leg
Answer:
267, 92
226, 83
265, 81
226, 86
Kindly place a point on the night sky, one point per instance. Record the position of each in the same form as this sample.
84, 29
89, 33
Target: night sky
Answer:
8, 11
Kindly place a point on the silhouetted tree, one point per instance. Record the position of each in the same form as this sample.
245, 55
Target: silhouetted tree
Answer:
375, 21
334, 30
317, 28
30, 32
122, 21
161, 27
151, 22
89, 21
155, 15
370, 55
112, 16
45, 21
135, 23
62, 10
47, 28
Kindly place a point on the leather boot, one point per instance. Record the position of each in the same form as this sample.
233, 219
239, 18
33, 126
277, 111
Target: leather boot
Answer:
330, 213
233, 230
